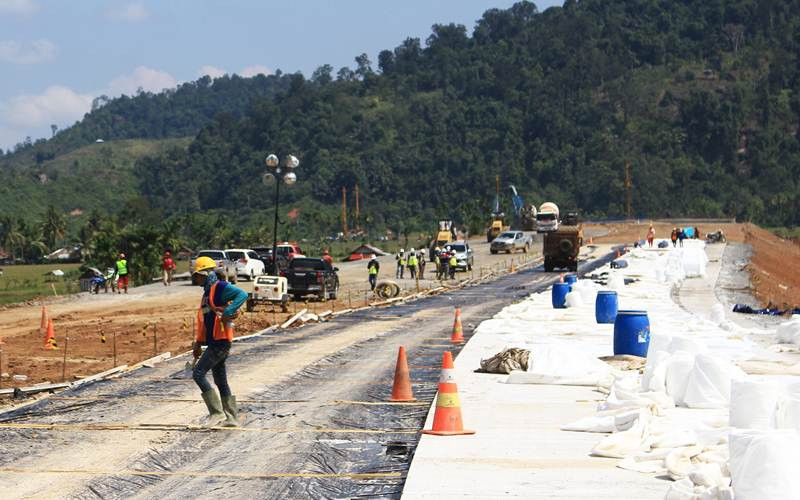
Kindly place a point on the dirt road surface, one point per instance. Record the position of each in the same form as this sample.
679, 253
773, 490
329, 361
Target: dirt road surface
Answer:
153, 319
315, 421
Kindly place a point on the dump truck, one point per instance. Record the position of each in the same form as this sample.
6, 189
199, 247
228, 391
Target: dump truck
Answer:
547, 219
561, 247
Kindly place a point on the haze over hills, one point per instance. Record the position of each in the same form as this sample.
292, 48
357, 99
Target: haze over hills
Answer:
703, 99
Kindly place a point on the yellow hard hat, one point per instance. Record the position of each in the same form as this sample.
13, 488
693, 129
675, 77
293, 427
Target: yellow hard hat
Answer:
204, 264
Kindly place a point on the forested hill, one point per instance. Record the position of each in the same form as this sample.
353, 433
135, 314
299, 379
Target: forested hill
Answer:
174, 113
701, 96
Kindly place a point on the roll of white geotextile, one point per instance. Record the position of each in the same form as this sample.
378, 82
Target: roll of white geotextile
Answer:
789, 332
709, 384
753, 404
763, 464
787, 415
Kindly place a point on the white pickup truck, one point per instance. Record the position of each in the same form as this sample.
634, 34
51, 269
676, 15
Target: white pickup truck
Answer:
511, 241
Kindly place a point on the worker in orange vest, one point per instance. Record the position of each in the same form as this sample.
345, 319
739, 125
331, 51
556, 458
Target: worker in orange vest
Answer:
218, 308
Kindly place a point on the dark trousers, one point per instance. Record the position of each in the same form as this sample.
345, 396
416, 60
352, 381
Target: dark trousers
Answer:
213, 359
373, 279
413, 271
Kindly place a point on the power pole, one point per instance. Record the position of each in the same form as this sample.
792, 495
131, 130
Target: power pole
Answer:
628, 188
358, 224
344, 211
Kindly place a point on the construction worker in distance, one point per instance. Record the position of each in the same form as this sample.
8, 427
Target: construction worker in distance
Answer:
453, 263
373, 268
444, 264
437, 261
401, 264
421, 264
412, 263
218, 307
121, 266
168, 267
327, 257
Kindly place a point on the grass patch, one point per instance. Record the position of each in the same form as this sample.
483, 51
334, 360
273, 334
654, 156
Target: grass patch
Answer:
25, 282
786, 232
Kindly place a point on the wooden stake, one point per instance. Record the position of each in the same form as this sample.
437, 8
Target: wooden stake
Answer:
115, 348
64, 362
349, 300
155, 339
1, 367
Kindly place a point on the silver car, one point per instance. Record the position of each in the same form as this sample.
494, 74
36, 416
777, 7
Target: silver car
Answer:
464, 255
221, 258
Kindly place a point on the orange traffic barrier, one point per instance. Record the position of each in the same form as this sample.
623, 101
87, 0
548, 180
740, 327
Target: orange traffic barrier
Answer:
43, 322
401, 390
447, 417
458, 332
50, 336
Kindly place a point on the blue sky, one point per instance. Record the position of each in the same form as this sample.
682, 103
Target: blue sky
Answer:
56, 56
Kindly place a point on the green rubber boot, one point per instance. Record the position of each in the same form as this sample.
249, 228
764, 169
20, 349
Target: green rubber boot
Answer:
214, 405
231, 412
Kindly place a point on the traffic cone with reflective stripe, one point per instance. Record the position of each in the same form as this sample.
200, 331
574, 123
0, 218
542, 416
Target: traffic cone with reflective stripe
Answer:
561, 278
50, 336
447, 417
458, 332
401, 390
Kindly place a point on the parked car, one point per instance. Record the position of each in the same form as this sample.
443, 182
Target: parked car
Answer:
247, 262
286, 252
464, 255
311, 276
222, 260
511, 241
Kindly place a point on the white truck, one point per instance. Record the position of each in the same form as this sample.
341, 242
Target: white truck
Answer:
547, 218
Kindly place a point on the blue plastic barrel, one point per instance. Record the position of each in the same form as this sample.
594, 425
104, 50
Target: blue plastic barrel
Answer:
605, 306
631, 333
570, 278
560, 291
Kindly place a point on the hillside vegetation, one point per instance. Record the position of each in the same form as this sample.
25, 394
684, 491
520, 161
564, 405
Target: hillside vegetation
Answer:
701, 97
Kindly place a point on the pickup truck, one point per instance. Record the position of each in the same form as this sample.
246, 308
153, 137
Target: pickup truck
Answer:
310, 276
511, 241
221, 258
286, 252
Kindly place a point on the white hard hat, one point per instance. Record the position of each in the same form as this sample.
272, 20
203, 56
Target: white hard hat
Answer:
401, 250
411, 250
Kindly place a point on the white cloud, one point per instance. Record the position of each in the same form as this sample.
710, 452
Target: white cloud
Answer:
56, 105
133, 12
254, 70
211, 71
18, 7
148, 79
26, 53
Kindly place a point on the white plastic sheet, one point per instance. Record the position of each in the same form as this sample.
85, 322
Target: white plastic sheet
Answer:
709, 384
558, 366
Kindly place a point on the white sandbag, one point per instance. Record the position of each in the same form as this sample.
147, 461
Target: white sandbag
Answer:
654, 377
573, 299
679, 366
709, 384
616, 282
789, 332
659, 342
587, 290
560, 366
753, 403
763, 464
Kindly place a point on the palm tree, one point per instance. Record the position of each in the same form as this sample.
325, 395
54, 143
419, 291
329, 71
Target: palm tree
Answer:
53, 226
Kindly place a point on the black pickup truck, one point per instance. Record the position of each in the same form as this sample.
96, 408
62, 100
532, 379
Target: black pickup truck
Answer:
307, 276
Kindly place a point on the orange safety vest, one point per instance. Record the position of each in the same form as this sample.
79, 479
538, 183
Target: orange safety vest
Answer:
221, 332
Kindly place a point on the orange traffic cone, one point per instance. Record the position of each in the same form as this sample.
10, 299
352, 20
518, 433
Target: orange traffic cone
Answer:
561, 278
401, 390
43, 322
591, 241
458, 333
447, 417
50, 336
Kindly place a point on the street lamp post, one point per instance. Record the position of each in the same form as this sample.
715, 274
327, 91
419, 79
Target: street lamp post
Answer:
277, 174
